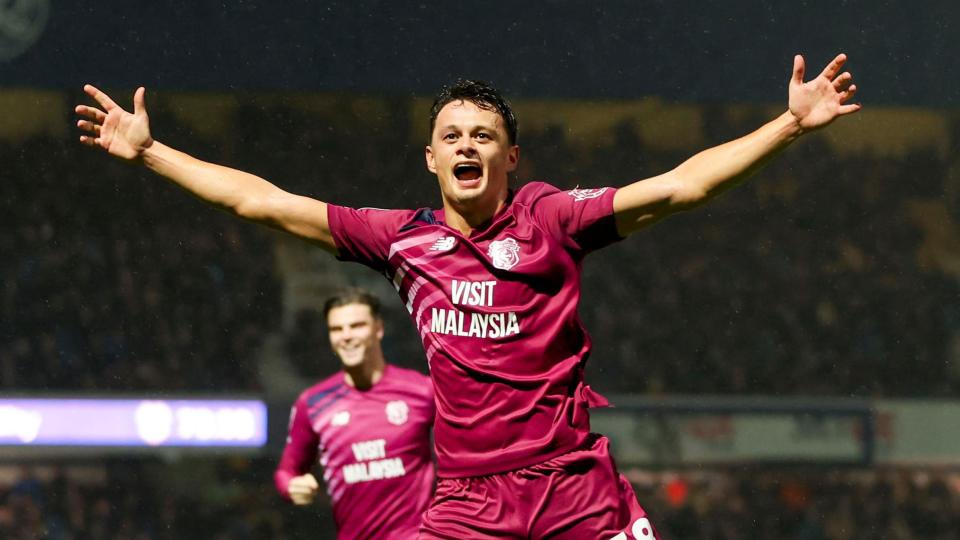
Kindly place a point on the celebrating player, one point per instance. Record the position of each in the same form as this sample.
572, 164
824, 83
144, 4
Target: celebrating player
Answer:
370, 423
492, 283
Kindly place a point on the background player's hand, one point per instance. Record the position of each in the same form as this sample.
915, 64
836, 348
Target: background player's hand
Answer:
818, 102
302, 489
113, 129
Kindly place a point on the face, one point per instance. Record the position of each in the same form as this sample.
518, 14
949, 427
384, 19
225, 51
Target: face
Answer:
471, 155
355, 334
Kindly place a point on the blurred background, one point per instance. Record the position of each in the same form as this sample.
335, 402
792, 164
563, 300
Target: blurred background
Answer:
785, 362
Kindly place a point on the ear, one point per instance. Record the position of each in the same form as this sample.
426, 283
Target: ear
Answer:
513, 158
379, 330
431, 161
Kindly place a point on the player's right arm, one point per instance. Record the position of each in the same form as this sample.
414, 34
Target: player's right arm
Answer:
292, 477
127, 136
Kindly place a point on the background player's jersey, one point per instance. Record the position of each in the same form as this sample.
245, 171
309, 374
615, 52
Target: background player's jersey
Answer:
374, 447
497, 313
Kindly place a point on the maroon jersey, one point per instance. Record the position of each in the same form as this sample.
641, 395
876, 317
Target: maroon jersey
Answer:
497, 313
374, 448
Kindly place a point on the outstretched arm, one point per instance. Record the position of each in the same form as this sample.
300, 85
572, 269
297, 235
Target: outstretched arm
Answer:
127, 136
812, 105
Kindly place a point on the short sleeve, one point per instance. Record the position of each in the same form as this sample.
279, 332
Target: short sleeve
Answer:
364, 235
580, 219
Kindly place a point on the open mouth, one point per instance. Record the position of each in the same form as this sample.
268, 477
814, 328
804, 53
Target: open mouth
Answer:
466, 172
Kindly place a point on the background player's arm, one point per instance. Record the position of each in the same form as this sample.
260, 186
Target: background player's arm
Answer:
812, 105
292, 477
127, 136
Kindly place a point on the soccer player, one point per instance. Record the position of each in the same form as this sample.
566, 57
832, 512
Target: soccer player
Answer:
491, 280
370, 422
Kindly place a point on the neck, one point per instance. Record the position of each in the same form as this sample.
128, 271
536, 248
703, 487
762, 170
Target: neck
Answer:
366, 374
466, 218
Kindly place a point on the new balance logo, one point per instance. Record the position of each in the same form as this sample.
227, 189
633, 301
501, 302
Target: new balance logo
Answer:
445, 243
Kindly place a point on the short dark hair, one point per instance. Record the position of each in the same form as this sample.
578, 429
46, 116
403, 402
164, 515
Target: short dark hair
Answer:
353, 296
480, 94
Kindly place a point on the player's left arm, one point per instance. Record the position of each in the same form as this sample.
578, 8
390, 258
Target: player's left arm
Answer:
812, 105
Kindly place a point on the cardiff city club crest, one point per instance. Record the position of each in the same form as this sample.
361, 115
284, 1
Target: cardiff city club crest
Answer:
505, 253
397, 412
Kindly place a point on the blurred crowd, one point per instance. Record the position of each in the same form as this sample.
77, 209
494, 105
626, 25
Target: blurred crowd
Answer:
817, 277
132, 501
135, 500
807, 281
814, 504
115, 281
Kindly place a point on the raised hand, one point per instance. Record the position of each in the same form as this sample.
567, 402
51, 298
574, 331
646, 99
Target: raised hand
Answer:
820, 101
113, 129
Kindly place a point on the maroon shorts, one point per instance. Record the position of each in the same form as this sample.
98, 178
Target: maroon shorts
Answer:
576, 496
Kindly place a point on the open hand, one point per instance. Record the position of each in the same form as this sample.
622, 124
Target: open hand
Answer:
820, 101
113, 129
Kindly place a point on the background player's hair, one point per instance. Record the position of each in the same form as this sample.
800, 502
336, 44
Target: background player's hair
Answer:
480, 94
353, 296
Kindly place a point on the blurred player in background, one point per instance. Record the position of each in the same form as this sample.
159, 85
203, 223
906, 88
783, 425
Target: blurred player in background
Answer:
492, 281
370, 423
